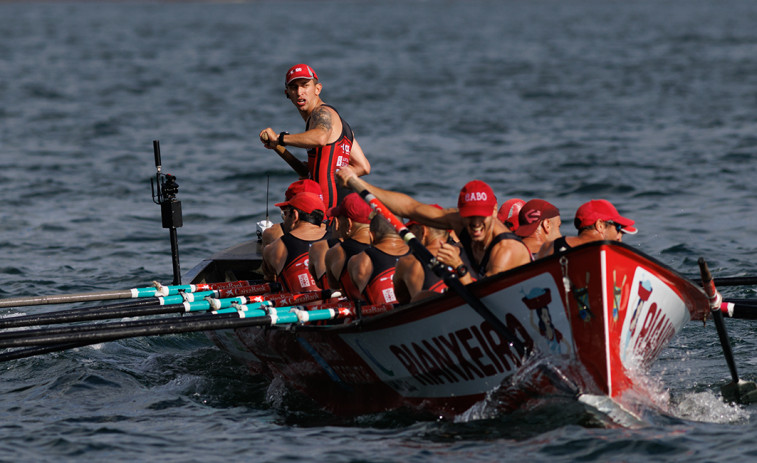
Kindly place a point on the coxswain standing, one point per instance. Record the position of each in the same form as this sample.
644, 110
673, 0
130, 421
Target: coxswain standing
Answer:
328, 138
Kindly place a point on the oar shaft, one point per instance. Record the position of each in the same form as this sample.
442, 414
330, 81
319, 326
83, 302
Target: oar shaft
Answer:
38, 350
157, 310
735, 281
86, 314
297, 165
145, 306
745, 309
90, 334
715, 301
65, 298
132, 293
104, 332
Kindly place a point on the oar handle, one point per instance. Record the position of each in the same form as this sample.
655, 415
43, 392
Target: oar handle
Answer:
293, 162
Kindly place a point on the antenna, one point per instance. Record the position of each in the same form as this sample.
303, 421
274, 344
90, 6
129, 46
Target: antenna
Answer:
170, 208
263, 225
267, 185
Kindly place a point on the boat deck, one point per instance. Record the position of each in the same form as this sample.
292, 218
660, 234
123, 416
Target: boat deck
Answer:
240, 262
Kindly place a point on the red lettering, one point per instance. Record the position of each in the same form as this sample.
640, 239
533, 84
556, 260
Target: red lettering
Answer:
649, 320
412, 365
432, 369
501, 348
444, 361
475, 353
485, 345
452, 345
515, 327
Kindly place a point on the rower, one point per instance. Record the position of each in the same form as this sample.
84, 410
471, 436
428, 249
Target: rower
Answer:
538, 222
490, 246
270, 234
413, 280
508, 213
372, 270
352, 217
595, 220
286, 259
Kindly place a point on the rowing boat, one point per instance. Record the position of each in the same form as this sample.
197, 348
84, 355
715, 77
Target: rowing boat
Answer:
597, 316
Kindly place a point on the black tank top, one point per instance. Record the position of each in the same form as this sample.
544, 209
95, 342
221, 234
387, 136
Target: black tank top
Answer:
325, 160
380, 286
479, 269
561, 245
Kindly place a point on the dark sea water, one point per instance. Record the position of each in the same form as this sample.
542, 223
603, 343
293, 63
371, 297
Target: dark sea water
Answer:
650, 104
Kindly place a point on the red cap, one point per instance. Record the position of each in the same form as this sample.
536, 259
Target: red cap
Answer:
601, 209
476, 199
532, 214
508, 213
353, 207
413, 222
306, 202
301, 186
300, 71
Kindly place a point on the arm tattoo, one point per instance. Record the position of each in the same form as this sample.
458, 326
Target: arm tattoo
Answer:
321, 118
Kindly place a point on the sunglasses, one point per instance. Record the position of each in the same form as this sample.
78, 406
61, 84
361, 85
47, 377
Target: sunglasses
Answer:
617, 226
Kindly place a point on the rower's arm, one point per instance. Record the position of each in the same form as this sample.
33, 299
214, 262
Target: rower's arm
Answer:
358, 161
334, 262
321, 125
407, 279
505, 255
400, 203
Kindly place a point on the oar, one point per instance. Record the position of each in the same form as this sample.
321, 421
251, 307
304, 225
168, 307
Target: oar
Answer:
226, 305
737, 389
450, 279
38, 350
175, 325
152, 291
743, 309
367, 310
735, 281
177, 303
728, 281
294, 163
27, 337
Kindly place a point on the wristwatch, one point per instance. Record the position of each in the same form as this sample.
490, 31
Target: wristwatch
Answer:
281, 138
461, 270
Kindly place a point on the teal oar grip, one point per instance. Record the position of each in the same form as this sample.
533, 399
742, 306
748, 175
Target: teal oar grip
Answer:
196, 306
144, 292
162, 290
188, 297
278, 317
